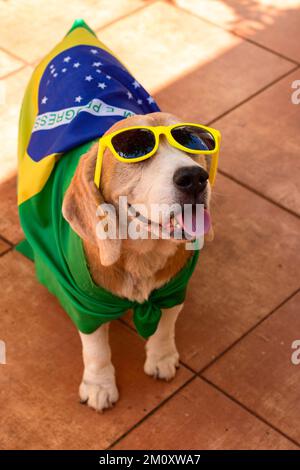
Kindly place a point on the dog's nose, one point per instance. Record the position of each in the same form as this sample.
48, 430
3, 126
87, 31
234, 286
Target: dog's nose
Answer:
190, 179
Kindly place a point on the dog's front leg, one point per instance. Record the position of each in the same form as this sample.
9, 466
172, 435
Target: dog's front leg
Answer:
162, 356
98, 387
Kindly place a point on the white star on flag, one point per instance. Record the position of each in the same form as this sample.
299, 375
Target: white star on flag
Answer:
102, 85
64, 70
108, 77
44, 100
52, 71
76, 65
136, 84
150, 99
97, 64
55, 75
67, 59
98, 71
129, 95
94, 51
88, 78
78, 99
139, 101
51, 66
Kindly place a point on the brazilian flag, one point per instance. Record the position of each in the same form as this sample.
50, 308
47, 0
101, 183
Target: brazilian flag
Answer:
77, 92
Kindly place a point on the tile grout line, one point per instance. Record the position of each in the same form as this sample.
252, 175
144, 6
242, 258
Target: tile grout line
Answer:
253, 95
234, 33
13, 72
3, 253
10, 244
151, 412
258, 193
123, 17
265, 48
244, 335
109, 23
14, 56
249, 410
6, 241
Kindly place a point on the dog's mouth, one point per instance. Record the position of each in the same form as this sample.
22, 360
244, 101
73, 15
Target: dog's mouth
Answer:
183, 225
188, 222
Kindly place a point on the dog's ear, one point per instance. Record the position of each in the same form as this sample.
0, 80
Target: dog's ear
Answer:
81, 209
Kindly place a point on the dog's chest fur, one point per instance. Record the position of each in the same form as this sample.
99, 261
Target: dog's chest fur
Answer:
139, 271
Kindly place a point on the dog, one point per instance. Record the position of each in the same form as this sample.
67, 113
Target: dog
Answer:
130, 268
127, 269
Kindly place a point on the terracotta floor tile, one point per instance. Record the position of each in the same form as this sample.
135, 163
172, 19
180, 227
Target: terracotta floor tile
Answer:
271, 23
28, 309
8, 63
39, 383
247, 271
14, 89
195, 69
3, 246
9, 219
31, 27
258, 371
199, 417
263, 152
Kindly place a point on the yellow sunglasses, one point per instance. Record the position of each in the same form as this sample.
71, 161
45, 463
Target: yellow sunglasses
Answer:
137, 143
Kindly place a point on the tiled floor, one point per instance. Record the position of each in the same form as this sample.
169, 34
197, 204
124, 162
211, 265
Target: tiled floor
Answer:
224, 62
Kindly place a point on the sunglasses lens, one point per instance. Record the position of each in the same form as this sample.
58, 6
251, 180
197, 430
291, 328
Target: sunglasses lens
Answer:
133, 143
193, 138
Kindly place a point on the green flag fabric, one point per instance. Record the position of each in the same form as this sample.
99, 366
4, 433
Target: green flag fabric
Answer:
61, 264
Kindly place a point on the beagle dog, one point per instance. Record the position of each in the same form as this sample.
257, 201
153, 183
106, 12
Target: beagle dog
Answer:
78, 93
133, 268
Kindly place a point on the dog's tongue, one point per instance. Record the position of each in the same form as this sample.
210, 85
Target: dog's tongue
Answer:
189, 225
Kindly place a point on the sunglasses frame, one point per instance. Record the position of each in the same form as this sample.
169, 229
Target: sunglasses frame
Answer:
105, 142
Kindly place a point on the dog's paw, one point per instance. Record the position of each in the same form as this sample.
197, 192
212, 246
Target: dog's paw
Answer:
162, 367
98, 396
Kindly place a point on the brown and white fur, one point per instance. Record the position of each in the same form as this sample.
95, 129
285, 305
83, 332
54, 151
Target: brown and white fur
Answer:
128, 268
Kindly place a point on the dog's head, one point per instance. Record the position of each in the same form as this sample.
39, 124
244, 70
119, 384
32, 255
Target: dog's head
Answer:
171, 177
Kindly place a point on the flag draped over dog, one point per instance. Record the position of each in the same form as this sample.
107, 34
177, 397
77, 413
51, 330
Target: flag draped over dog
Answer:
74, 96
